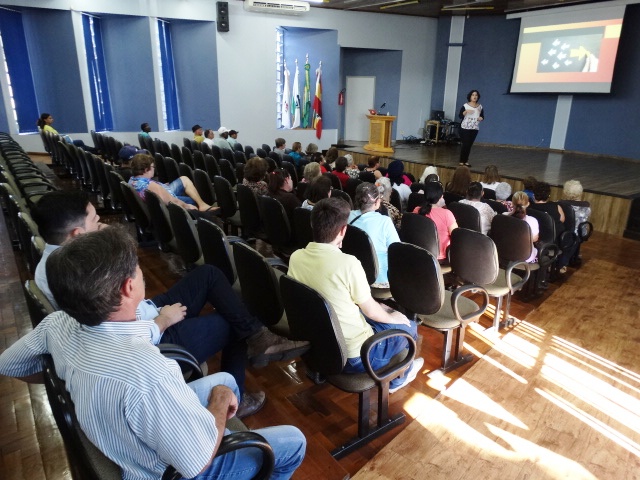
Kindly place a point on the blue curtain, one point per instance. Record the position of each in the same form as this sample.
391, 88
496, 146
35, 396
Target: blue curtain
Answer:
22, 86
100, 99
168, 76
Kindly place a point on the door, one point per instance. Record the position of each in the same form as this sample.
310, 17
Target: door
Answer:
359, 99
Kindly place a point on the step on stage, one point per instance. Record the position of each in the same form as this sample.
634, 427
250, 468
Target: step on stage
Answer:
611, 184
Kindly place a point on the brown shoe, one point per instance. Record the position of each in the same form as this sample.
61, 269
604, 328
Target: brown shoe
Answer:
251, 403
265, 347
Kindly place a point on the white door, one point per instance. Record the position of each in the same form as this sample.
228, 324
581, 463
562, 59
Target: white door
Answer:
359, 99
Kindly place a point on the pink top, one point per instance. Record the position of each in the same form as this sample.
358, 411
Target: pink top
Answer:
443, 219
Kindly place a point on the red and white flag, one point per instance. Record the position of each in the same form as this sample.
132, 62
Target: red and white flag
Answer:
317, 103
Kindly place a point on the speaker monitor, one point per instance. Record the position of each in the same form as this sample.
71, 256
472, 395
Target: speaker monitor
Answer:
222, 18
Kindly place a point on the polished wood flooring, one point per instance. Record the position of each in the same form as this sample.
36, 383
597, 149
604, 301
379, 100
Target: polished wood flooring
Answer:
30, 447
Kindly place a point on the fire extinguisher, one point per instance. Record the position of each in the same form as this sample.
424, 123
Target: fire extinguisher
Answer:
341, 96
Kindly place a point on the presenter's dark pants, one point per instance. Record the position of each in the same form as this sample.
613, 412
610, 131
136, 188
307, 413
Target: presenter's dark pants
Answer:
467, 137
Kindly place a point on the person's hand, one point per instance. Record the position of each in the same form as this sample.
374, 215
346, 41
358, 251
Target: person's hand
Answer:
480, 119
466, 112
170, 315
223, 396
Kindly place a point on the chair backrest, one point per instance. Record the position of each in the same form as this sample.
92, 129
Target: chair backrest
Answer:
238, 147
227, 171
161, 171
185, 170
203, 185
211, 166
194, 145
415, 200
420, 231
335, 181
94, 181
226, 197
171, 169
512, 237
546, 226
37, 303
198, 160
489, 193
451, 197
275, 157
249, 211
239, 157
335, 193
114, 178
275, 221
358, 243
367, 177
205, 148
216, 152
261, 153
184, 229
258, 284
350, 187
312, 318
291, 169
266, 147
176, 153
415, 279
186, 142
303, 233
136, 205
466, 215
102, 177
569, 216
474, 257
187, 157
497, 206
160, 222
395, 200
215, 248
228, 154
248, 151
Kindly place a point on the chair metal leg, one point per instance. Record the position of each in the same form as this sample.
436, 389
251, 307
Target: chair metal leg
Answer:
458, 360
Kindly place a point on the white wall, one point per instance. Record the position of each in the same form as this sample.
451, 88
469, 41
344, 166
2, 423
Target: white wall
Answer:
246, 61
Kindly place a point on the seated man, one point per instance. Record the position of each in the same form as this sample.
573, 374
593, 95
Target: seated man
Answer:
61, 216
130, 400
341, 280
281, 145
197, 133
145, 130
181, 191
474, 198
221, 141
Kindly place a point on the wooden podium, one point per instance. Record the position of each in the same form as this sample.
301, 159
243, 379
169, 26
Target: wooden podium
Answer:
380, 133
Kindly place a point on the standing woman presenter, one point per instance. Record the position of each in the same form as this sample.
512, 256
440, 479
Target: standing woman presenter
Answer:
471, 114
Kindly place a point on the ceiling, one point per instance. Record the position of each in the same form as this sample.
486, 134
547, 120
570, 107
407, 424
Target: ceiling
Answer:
438, 8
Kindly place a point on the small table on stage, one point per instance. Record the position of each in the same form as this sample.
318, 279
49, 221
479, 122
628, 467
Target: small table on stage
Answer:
380, 133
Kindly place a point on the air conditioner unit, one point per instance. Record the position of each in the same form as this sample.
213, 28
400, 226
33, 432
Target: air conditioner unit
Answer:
282, 7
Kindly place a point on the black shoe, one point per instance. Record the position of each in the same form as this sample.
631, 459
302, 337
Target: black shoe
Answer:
316, 377
251, 403
265, 347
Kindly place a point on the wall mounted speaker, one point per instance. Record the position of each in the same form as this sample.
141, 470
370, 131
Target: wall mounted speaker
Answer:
222, 18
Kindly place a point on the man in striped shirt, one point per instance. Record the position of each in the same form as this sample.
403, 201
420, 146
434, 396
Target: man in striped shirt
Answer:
132, 402
62, 215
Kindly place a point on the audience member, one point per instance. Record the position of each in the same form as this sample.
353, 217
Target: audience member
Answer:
197, 133
503, 192
339, 171
319, 188
474, 197
379, 227
520, 201
428, 172
572, 196
320, 160
341, 280
145, 130
373, 165
542, 192
44, 123
233, 137
281, 146
399, 181
443, 218
180, 191
209, 136
386, 208
352, 169
255, 171
281, 188
296, 153
459, 184
138, 410
528, 183
491, 177
310, 150
330, 157
221, 141
311, 171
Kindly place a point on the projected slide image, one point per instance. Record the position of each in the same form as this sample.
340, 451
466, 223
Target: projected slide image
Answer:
575, 53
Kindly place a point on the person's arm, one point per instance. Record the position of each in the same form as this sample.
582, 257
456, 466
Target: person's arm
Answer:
223, 405
373, 310
23, 359
170, 315
481, 116
166, 197
561, 212
462, 113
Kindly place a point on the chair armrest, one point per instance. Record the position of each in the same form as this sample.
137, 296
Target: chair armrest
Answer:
520, 266
585, 229
183, 357
235, 441
278, 264
234, 239
547, 253
388, 372
457, 293
566, 240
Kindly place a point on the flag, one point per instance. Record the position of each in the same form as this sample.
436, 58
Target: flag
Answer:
286, 100
317, 103
306, 105
295, 101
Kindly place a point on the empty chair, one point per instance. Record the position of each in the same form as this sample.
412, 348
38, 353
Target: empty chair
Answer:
117, 197
161, 172
216, 247
211, 166
186, 142
239, 157
205, 148
276, 226
227, 203
160, 222
184, 229
187, 157
203, 185
249, 213
216, 152
227, 171
466, 216
261, 153
185, 170
171, 169
176, 153
248, 151
237, 146
266, 147
302, 231
312, 318
228, 154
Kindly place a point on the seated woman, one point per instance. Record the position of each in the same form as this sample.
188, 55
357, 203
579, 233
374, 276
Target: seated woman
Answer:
520, 202
542, 192
281, 188
319, 188
528, 183
296, 153
443, 218
331, 157
491, 177
44, 123
379, 227
373, 166
255, 171
572, 195
181, 191
459, 184
341, 166
399, 181
386, 208
474, 198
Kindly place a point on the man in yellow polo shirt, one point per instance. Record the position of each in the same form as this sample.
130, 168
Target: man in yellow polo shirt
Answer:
341, 280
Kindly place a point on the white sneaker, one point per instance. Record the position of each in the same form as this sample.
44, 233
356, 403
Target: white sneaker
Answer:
416, 366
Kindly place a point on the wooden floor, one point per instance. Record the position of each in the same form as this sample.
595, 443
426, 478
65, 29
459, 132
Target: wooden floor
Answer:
30, 447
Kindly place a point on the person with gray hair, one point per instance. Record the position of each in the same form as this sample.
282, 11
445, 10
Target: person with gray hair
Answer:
379, 227
572, 195
384, 187
352, 169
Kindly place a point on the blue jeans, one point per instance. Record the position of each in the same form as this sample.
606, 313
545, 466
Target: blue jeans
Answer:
204, 336
176, 188
384, 351
288, 443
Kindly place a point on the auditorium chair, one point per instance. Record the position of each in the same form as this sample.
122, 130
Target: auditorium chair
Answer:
467, 216
184, 230
252, 226
227, 203
140, 212
302, 231
160, 222
276, 226
203, 185
216, 249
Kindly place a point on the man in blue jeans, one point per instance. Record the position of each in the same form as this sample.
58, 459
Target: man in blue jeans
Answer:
63, 215
341, 280
130, 400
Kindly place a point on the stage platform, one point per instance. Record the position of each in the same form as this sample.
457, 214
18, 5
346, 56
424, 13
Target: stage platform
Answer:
610, 183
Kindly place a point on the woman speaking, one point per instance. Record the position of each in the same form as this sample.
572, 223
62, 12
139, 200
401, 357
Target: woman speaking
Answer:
471, 114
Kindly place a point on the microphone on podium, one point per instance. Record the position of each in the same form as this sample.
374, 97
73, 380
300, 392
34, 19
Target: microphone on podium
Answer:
381, 107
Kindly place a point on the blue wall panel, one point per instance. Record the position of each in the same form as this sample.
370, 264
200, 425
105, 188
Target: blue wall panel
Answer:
607, 124
194, 52
130, 72
321, 45
4, 116
440, 65
54, 63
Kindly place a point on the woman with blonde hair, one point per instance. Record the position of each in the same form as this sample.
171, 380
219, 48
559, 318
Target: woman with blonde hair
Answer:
520, 202
491, 177
460, 182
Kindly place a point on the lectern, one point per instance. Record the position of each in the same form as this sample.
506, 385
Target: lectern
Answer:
380, 133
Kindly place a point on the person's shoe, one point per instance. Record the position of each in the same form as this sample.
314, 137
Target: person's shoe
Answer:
416, 366
265, 347
467, 165
316, 377
251, 403
562, 271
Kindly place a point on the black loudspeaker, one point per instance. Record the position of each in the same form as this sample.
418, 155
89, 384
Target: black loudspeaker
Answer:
222, 19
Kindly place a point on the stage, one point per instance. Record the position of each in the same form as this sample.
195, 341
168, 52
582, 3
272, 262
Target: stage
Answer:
610, 183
